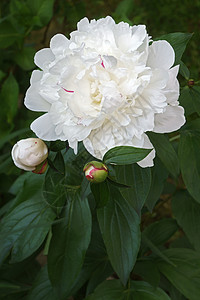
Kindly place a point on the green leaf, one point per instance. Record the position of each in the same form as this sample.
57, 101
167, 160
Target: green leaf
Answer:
186, 101
165, 152
140, 181
125, 155
189, 158
8, 34
54, 190
186, 275
42, 289
101, 193
9, 96
195, 97
25, 58
159, 176
24, 229
58, 145
184, 71
148, 270
161, 231
187, 213
68, 245
42, 10
138, 290
178, 41
119, 224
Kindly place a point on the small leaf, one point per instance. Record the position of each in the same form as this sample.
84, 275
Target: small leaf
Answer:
125, 155
165, 152
68, 245
187, 212
8, 34
119, 224
42, 10
189, 158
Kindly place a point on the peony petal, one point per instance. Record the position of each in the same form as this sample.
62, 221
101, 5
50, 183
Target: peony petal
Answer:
44, 128
14, 154
172, 88
148, 160
171, 120
161, 55
43, 58
34, 101
58, 44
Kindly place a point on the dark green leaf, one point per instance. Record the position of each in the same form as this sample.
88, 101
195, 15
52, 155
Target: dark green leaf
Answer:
24, 58
139, 179
178, 41
139, 290
42, 10
125, 155
195, 96
184, 70
186, 101
119, 224
58, 146
68, 245
101, 193
190, 162
42, 289
24, 229
9, 94
185, 275
159, 175
8, 34
187, 213
165, 152
148, 270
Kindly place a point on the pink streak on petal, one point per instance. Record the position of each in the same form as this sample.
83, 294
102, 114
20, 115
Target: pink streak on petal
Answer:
67, 90
102, 64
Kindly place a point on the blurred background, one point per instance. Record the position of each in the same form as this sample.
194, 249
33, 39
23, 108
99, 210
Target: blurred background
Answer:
28, 25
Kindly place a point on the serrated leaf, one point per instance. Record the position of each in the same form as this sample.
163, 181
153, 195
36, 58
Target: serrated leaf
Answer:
68, 246
139, 180
189, 158
187, 213
125, 155
165, 152
119, 224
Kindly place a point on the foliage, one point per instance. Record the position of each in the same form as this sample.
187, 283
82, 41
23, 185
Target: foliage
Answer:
134, 236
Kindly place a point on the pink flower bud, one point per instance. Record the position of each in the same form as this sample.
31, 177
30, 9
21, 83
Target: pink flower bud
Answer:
95, 171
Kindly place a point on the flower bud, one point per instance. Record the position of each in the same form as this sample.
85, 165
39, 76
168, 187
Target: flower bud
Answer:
41, 168
30, 154
191, 82
95, 171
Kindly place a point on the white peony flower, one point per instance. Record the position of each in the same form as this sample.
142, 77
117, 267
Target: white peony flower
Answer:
105, 86
27, 154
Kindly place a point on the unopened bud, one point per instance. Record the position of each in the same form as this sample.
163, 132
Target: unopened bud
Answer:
41, 169
95, 171
191, 82
28, 154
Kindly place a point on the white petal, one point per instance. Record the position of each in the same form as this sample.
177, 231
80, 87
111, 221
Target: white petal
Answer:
83, 24
34, 101
14, 155
58, 44
171, 120
44, 128
172, 88
161, 55
43, 58
36, 76
148, 160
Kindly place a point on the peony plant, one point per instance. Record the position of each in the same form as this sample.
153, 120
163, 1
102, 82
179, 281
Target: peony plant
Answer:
111, 215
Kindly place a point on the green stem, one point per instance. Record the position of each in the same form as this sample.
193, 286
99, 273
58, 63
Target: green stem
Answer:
176, 137
46, 247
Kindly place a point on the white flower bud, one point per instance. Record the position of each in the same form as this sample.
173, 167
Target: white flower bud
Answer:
27, 154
